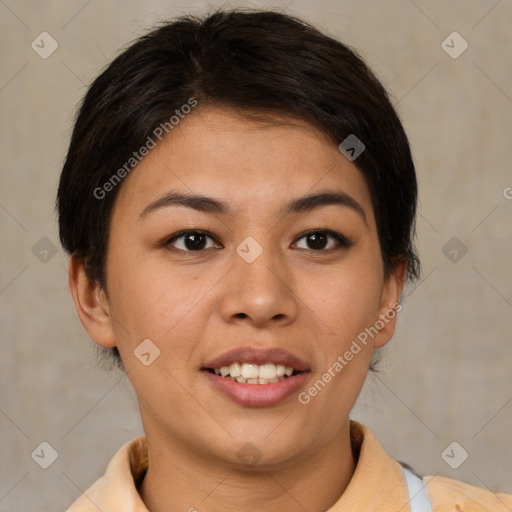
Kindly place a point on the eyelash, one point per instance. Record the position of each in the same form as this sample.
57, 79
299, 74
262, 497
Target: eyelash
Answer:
343, 242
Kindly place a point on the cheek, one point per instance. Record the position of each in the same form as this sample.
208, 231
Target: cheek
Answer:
343, 305
152, 300
140, 297
345, 299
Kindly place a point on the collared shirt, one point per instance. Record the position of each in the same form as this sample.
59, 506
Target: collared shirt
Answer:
377, 484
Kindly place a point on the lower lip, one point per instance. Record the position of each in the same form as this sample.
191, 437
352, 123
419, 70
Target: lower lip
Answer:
257, 395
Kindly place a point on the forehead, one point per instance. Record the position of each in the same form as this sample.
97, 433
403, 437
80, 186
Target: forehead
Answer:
248, 163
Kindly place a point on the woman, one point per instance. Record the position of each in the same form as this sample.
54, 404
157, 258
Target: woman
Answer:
238, 201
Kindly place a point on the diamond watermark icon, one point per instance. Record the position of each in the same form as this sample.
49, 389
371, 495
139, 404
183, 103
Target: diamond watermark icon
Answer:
249, 454
249, 249
454, 249
454, 45
44, 45
44, 455
351, 147
146, 352
454, 455
44, 250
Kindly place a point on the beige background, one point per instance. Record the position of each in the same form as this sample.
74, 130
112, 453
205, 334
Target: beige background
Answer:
445, 376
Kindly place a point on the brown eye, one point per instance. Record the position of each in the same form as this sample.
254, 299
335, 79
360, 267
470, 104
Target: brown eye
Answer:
189, 241
319, 240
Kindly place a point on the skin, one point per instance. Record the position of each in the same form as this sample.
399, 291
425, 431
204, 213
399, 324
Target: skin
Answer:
195, 306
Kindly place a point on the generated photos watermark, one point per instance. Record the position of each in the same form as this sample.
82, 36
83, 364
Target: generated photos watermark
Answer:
158, 133
343, 360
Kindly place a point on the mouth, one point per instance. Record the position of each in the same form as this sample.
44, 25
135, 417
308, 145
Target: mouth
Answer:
252, 373
256, 377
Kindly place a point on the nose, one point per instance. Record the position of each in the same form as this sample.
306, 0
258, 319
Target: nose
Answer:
260, 293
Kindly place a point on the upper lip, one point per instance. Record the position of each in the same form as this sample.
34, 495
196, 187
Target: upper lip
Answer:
258, 356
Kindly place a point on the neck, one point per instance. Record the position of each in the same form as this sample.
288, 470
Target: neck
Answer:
181, 480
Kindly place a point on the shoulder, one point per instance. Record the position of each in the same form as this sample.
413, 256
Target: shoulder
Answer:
447, 494
117, 488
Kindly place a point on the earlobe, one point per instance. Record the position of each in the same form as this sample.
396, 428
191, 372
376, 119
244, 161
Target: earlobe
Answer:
91, 304
390, 305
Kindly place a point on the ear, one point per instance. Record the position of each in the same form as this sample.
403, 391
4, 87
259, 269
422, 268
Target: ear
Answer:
91, 304
390, 305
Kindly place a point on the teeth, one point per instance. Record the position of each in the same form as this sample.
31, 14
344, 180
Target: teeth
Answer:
267, 371
259, 381
249, 373
235, 370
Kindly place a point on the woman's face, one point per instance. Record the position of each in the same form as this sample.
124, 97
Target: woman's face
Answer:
252, 287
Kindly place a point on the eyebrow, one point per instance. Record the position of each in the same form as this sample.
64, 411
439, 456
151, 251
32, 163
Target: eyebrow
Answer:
211, 205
